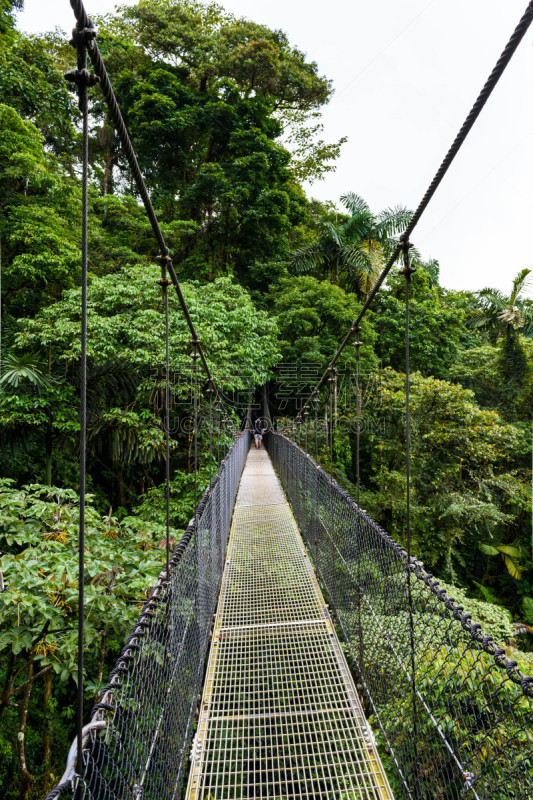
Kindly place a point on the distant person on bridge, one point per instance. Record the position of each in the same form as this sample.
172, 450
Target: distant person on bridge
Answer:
258, 432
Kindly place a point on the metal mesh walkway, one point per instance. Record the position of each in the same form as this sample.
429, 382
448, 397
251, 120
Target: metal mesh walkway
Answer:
280, 717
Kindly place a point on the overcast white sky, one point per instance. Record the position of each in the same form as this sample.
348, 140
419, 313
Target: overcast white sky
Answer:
406, 72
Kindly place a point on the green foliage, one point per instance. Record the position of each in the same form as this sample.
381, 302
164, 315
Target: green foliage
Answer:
126, 321
464, 487
22, 156
506, 320
476, 368
39, 529
435, 330
511, 555
39, 604
312, 316
32, 84
354, 250
39, 255
7, 21
17, 369
208, 97
499, 313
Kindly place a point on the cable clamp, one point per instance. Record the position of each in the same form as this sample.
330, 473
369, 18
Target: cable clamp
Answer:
82, 37
468, 780
195, 344
82, 77
406, 245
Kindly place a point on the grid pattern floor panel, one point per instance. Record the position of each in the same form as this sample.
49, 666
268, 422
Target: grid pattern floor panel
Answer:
280, 717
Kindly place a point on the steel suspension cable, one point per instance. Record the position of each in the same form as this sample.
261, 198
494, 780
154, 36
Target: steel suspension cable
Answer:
408, 270
219, 425
85, 22
330, 487
82, 79
210, 391
490, 84
357, 345
83, 403
316, 431
195, 422
82, 61
164, 282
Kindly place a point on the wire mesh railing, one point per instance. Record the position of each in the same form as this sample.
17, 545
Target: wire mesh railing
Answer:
471, 733
137, 743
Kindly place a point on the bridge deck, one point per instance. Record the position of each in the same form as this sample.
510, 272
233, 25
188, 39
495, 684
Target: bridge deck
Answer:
280, 717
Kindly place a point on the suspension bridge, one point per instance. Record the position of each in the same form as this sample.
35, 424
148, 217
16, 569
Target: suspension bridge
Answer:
291, 647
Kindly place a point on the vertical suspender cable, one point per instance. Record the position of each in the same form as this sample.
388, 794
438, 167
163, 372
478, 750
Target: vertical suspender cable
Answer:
357, 344
83, 79
219, 426
330, 424
195, 422
165, 283
82, 60
316, 430
408, 271
330, 484
210, 390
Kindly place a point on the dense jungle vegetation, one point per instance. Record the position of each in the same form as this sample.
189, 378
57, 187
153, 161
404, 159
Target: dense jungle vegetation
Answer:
225, 118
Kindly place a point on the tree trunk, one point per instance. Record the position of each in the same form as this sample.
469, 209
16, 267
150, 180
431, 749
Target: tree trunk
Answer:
8, 683
189, 449
48, 444
106, 139
109, 162
27, 777
108, 175
101, 665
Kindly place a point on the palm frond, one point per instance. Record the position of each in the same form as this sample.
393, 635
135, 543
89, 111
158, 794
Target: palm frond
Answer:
16, 369
520, 283
361, 264
492, 298
357, 228
481, 319
527, 323
307, 259
355, 204
392, 221
357, 258
334, 233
